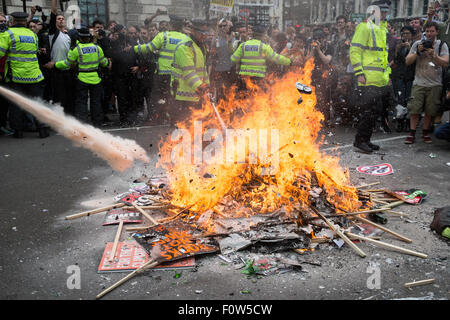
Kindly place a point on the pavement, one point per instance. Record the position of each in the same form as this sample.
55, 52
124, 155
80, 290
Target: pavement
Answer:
44, 180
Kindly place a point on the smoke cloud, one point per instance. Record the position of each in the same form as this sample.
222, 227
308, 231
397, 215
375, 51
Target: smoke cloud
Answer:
118, 152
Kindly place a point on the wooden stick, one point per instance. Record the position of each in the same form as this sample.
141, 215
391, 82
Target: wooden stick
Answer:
340, 234
149, 217
116, 241
418, 283
401, 214
91, 212
367, 185
146, 207
395, 234
132, 229
387, 245
149, 264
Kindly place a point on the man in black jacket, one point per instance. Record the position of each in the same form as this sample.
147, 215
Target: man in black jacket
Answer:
124, 69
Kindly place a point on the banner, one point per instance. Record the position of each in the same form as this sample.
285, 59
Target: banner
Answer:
225, 6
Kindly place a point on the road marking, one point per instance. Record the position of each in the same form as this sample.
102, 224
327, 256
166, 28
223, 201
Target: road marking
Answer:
375, 141
135, 128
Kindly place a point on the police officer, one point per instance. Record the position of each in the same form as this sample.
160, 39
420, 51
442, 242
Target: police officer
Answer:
88, 56
20, 45
253, 55
163, 44
369, 58
190, 81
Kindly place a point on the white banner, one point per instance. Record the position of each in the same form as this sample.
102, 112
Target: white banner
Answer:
225, 6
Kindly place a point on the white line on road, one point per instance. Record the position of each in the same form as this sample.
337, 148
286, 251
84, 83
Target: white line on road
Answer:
135, 128
375, 141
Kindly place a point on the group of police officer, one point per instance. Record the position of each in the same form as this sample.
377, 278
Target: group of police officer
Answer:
180, 81
181, 78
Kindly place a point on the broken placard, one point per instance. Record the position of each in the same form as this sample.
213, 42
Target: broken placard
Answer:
383, 169
114, 216
131, 256
412, 196
168, 244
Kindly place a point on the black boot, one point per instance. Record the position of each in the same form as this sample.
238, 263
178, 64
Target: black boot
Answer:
43, 133
363, 147
373, 146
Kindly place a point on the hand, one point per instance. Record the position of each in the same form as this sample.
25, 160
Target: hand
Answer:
33, 10
202, 89
50, 65
134, 69
110, 64
42, 51
431, 53
361, 79
431, 12
127, 49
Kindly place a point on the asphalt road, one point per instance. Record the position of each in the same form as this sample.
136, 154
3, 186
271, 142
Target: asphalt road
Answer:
42, 181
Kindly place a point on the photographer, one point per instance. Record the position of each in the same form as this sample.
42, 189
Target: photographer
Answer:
430, 56
320, 76
222, 74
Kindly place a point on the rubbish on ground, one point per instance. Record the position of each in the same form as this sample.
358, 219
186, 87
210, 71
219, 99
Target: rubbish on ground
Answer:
412, 196
432, 155
180, 232
377, 170
114, 216
418, 283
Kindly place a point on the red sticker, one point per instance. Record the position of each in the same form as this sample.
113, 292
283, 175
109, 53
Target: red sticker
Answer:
377, 170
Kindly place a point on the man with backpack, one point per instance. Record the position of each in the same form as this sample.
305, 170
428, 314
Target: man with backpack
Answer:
431, 56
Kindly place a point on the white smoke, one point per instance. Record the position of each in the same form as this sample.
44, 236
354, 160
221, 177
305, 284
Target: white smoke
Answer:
118, 152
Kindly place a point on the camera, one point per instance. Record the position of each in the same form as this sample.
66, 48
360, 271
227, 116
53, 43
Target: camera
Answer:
427, 44
38, 8
101, 32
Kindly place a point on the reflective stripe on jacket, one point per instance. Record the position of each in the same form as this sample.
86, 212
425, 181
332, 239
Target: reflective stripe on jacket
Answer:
165, 43
252, 56
189, 70
369, 53
20, 45
88, 57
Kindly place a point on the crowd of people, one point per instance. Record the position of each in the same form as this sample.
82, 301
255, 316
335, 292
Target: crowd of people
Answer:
141, 74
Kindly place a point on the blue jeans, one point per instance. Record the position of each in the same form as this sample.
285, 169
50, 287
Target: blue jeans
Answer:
443, 132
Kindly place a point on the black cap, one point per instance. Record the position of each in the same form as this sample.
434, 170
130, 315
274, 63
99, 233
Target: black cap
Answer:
84, 32
259, 29
199, 23
19, 15
175, 18
383, 4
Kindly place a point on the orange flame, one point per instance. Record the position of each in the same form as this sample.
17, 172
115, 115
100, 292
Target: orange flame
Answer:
300, 162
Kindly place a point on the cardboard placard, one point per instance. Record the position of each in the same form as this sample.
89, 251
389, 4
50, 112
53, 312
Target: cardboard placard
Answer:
131, 256
114, 216
383, 169
169, 244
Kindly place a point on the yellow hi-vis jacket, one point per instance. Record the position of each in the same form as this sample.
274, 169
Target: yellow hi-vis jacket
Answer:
88, 57
369, 53
189, 70
20, 45
165, 43
253, 54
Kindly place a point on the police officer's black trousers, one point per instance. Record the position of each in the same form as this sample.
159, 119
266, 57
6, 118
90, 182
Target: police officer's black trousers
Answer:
94, 93
370, 107
17, 116
63, 85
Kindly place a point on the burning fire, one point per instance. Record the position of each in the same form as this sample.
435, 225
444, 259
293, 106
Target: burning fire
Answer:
273, 117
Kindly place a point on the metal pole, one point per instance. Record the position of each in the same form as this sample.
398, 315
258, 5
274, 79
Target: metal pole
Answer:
4, 8
24, 5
